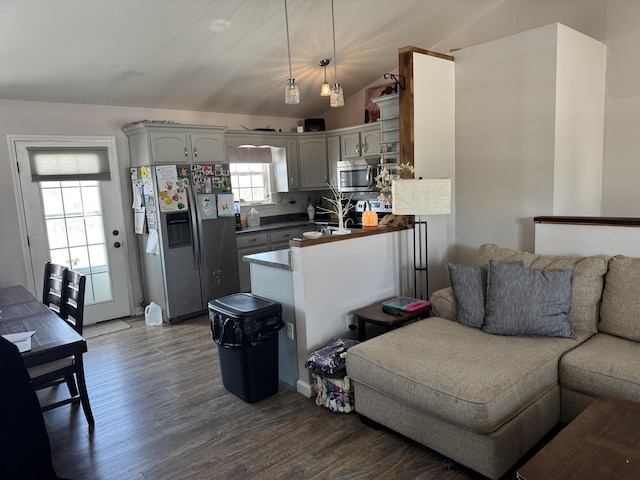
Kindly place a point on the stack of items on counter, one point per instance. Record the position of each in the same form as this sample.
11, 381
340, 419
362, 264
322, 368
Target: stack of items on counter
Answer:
331, 383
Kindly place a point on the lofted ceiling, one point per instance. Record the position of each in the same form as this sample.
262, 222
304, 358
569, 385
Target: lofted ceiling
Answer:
227, 56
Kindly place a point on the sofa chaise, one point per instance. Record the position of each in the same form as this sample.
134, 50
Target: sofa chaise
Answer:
514, 347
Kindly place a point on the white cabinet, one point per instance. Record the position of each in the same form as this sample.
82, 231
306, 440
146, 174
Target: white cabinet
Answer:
312, 155
364, 142
389, 127
175, 144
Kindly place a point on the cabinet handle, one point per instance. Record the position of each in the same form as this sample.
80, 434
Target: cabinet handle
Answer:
253, 239
291, 181
364, 148
357, 148
195, 152
186, 152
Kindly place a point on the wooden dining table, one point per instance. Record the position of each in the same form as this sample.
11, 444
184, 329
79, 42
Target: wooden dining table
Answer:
53, 339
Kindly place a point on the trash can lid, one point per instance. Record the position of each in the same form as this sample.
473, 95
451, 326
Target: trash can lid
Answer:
245, 303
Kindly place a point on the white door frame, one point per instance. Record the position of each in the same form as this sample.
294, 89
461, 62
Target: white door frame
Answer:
114, 168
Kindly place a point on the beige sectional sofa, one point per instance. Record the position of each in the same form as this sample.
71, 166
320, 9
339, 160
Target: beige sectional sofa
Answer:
485, 399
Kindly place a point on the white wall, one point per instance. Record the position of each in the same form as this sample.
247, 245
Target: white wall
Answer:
434, 151
580, 75
528, 139
33, 118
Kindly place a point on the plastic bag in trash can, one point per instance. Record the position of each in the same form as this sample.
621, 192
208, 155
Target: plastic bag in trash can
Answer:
232, 332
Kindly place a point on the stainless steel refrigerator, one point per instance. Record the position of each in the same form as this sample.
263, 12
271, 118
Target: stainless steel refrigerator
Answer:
187, 241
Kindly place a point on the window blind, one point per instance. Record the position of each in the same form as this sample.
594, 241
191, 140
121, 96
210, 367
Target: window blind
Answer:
251, 154
68, 163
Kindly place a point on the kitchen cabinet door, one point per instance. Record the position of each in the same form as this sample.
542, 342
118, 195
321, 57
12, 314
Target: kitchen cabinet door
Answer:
312, 153
370, 142
333, 156
363, 143
293, 164
208, 148
169, 147
350, 145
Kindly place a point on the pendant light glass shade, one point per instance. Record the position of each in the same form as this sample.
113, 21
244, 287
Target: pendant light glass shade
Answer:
325, 91
337, 96
291, 90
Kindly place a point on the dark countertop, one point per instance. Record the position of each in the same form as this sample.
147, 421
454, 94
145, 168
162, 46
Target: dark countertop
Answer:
276, 226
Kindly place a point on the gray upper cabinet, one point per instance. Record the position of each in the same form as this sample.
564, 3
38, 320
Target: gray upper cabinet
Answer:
175, 144
365, 142
293, 170
333, 156
208, 148
312, 153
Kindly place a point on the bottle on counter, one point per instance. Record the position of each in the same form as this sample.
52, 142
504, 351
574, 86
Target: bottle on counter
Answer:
311, 210
236, 211
253, 218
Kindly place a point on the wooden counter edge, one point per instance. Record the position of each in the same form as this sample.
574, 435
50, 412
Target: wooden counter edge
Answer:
355, 233
604, 221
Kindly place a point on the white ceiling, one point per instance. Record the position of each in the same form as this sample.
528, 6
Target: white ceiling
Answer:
168, 54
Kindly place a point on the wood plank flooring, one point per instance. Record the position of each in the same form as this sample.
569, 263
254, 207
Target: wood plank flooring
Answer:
162, 412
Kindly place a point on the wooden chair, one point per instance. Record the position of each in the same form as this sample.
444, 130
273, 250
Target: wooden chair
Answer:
70, 369
52, 290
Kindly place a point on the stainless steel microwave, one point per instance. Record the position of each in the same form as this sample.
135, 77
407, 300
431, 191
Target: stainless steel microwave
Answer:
357, 175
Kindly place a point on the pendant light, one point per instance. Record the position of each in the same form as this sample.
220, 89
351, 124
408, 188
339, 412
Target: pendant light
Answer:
337, 96
291, 91
325, 91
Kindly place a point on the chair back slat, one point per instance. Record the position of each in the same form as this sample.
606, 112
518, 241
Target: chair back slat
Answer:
73, 299
52, 289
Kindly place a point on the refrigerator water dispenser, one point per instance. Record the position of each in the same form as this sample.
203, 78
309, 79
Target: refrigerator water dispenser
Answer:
178, 229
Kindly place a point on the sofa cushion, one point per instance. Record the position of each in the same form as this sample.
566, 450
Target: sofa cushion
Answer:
522, 301
620, 310
603, 365
588, 273
469, 284
459, 374
443, 304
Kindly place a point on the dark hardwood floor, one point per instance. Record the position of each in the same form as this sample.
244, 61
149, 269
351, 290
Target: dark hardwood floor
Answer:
161, 412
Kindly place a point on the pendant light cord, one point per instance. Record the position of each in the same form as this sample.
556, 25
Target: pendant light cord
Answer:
335, 62
286, 19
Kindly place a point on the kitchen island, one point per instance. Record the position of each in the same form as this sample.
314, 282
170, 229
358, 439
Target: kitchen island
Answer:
321, 282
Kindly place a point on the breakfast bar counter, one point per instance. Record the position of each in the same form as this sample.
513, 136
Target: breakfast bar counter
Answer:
321, 282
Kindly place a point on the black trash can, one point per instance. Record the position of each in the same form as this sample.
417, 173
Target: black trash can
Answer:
245, 327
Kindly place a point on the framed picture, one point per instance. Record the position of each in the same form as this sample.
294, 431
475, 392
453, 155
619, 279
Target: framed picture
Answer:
371, 110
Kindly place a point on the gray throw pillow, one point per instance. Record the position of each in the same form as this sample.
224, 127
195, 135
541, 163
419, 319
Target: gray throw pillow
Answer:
528, 302
469, 284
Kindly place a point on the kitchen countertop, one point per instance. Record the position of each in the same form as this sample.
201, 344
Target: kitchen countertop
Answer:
277, 259
355, 233
275, 226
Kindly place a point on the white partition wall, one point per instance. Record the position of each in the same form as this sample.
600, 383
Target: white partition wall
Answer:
529, 130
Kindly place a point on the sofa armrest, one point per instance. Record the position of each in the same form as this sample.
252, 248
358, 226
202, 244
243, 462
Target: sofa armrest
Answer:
443, 304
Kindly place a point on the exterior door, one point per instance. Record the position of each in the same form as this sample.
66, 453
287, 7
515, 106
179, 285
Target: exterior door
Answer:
78, 223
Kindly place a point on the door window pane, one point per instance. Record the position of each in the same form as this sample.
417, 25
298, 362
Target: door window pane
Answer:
75, 231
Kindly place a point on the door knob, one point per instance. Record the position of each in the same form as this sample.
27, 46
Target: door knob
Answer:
116, 233
117, 244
